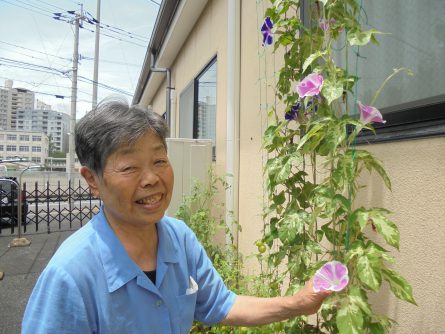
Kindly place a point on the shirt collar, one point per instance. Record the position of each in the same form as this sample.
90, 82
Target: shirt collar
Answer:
118, 266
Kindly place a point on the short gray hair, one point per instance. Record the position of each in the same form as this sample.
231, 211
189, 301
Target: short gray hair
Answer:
110, 125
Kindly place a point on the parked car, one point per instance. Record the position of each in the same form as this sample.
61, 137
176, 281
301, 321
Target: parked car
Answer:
9, 202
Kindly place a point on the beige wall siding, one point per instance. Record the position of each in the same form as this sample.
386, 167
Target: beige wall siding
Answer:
416, 167
207, 40
417, 200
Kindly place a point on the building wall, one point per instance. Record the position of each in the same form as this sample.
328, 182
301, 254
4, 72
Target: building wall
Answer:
51, 122
417, 199
29, 145
208, 38
416, 167
12, 100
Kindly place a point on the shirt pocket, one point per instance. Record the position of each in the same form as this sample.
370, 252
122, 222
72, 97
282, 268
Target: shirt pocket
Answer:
186, 311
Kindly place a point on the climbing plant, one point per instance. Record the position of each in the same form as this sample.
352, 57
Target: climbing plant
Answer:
313, 167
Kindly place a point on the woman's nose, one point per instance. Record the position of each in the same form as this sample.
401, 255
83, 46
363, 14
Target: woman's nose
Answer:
149, 178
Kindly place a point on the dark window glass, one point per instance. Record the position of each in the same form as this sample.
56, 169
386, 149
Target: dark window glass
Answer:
413, 106
205, 105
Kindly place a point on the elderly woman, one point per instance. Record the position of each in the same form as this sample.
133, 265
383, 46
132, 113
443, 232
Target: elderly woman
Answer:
131, 269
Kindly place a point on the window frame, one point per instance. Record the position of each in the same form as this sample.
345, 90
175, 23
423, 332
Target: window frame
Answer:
196, 104
194, 84
416, 119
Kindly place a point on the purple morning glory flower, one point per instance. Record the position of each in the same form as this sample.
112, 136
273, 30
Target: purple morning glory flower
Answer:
292, 114
310, 86
266, 30
369, 114
324, 24
332, 276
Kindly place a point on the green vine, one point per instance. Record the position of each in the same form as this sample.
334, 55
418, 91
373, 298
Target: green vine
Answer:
313, 170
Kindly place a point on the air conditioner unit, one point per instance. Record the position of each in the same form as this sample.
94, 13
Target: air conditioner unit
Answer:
191, 160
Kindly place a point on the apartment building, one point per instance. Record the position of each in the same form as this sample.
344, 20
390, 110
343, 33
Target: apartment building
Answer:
29, 145
12, 100
53, 123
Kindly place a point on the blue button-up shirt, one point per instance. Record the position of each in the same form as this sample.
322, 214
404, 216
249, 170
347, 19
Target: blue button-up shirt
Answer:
91, 285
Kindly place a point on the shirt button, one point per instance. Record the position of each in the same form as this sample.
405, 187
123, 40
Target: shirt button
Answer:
158, 303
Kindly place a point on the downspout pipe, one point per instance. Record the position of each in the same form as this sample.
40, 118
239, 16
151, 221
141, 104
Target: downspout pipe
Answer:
233, 113
167, 89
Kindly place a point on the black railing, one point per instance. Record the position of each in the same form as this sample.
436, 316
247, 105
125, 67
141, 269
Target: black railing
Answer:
52, 207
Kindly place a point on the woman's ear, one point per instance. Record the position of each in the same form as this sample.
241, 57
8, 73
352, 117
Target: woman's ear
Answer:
91, 179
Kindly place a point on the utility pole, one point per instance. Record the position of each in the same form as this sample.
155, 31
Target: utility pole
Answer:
70, 165
96, 57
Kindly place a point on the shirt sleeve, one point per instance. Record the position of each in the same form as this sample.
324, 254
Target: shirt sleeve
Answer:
214, 299
55, 306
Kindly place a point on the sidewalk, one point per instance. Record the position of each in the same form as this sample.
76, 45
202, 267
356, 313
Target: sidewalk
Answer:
21, 267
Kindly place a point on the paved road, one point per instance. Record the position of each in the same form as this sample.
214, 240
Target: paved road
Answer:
21, 267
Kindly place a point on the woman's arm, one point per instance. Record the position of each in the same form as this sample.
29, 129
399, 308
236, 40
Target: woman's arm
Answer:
254, 311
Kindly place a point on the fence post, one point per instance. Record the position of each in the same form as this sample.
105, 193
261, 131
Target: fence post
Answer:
36, 201
70, 202
47, 208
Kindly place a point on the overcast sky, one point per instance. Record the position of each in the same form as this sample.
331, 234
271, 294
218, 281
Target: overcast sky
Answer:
29, 34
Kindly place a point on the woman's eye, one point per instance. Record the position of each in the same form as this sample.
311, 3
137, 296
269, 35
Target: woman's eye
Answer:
128, 169
160, 162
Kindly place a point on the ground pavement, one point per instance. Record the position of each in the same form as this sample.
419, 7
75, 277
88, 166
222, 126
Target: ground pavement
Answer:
21, 266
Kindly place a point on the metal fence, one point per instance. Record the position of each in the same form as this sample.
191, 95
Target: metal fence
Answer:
49, 207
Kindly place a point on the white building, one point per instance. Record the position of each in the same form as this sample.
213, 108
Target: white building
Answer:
29, 145
12, 100
53, 123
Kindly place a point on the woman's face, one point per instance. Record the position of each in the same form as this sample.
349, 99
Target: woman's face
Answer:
137, 183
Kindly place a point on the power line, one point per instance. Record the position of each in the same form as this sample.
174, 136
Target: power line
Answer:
46, 69
49, 4
31, 66
36, 51
155, 2
109, 61
93, 21
27, 8
34, 85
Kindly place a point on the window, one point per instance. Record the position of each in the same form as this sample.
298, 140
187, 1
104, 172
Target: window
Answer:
205, 106
36, 138
24, 137
24, 149
1, 148
11, 148
197, 106
36, 149
36, 159
413, 106
11, 137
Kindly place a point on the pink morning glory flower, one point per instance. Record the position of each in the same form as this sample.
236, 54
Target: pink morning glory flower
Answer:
324, 24
369, 114
266, 30
332, 276
310, 86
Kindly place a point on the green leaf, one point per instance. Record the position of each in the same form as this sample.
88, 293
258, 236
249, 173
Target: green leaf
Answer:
316, 128
332, 90
358, 297
368, 269
361, 216
399, 285
280, 198
309, 60
349, 319
376, 328
385, 227
361, 37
